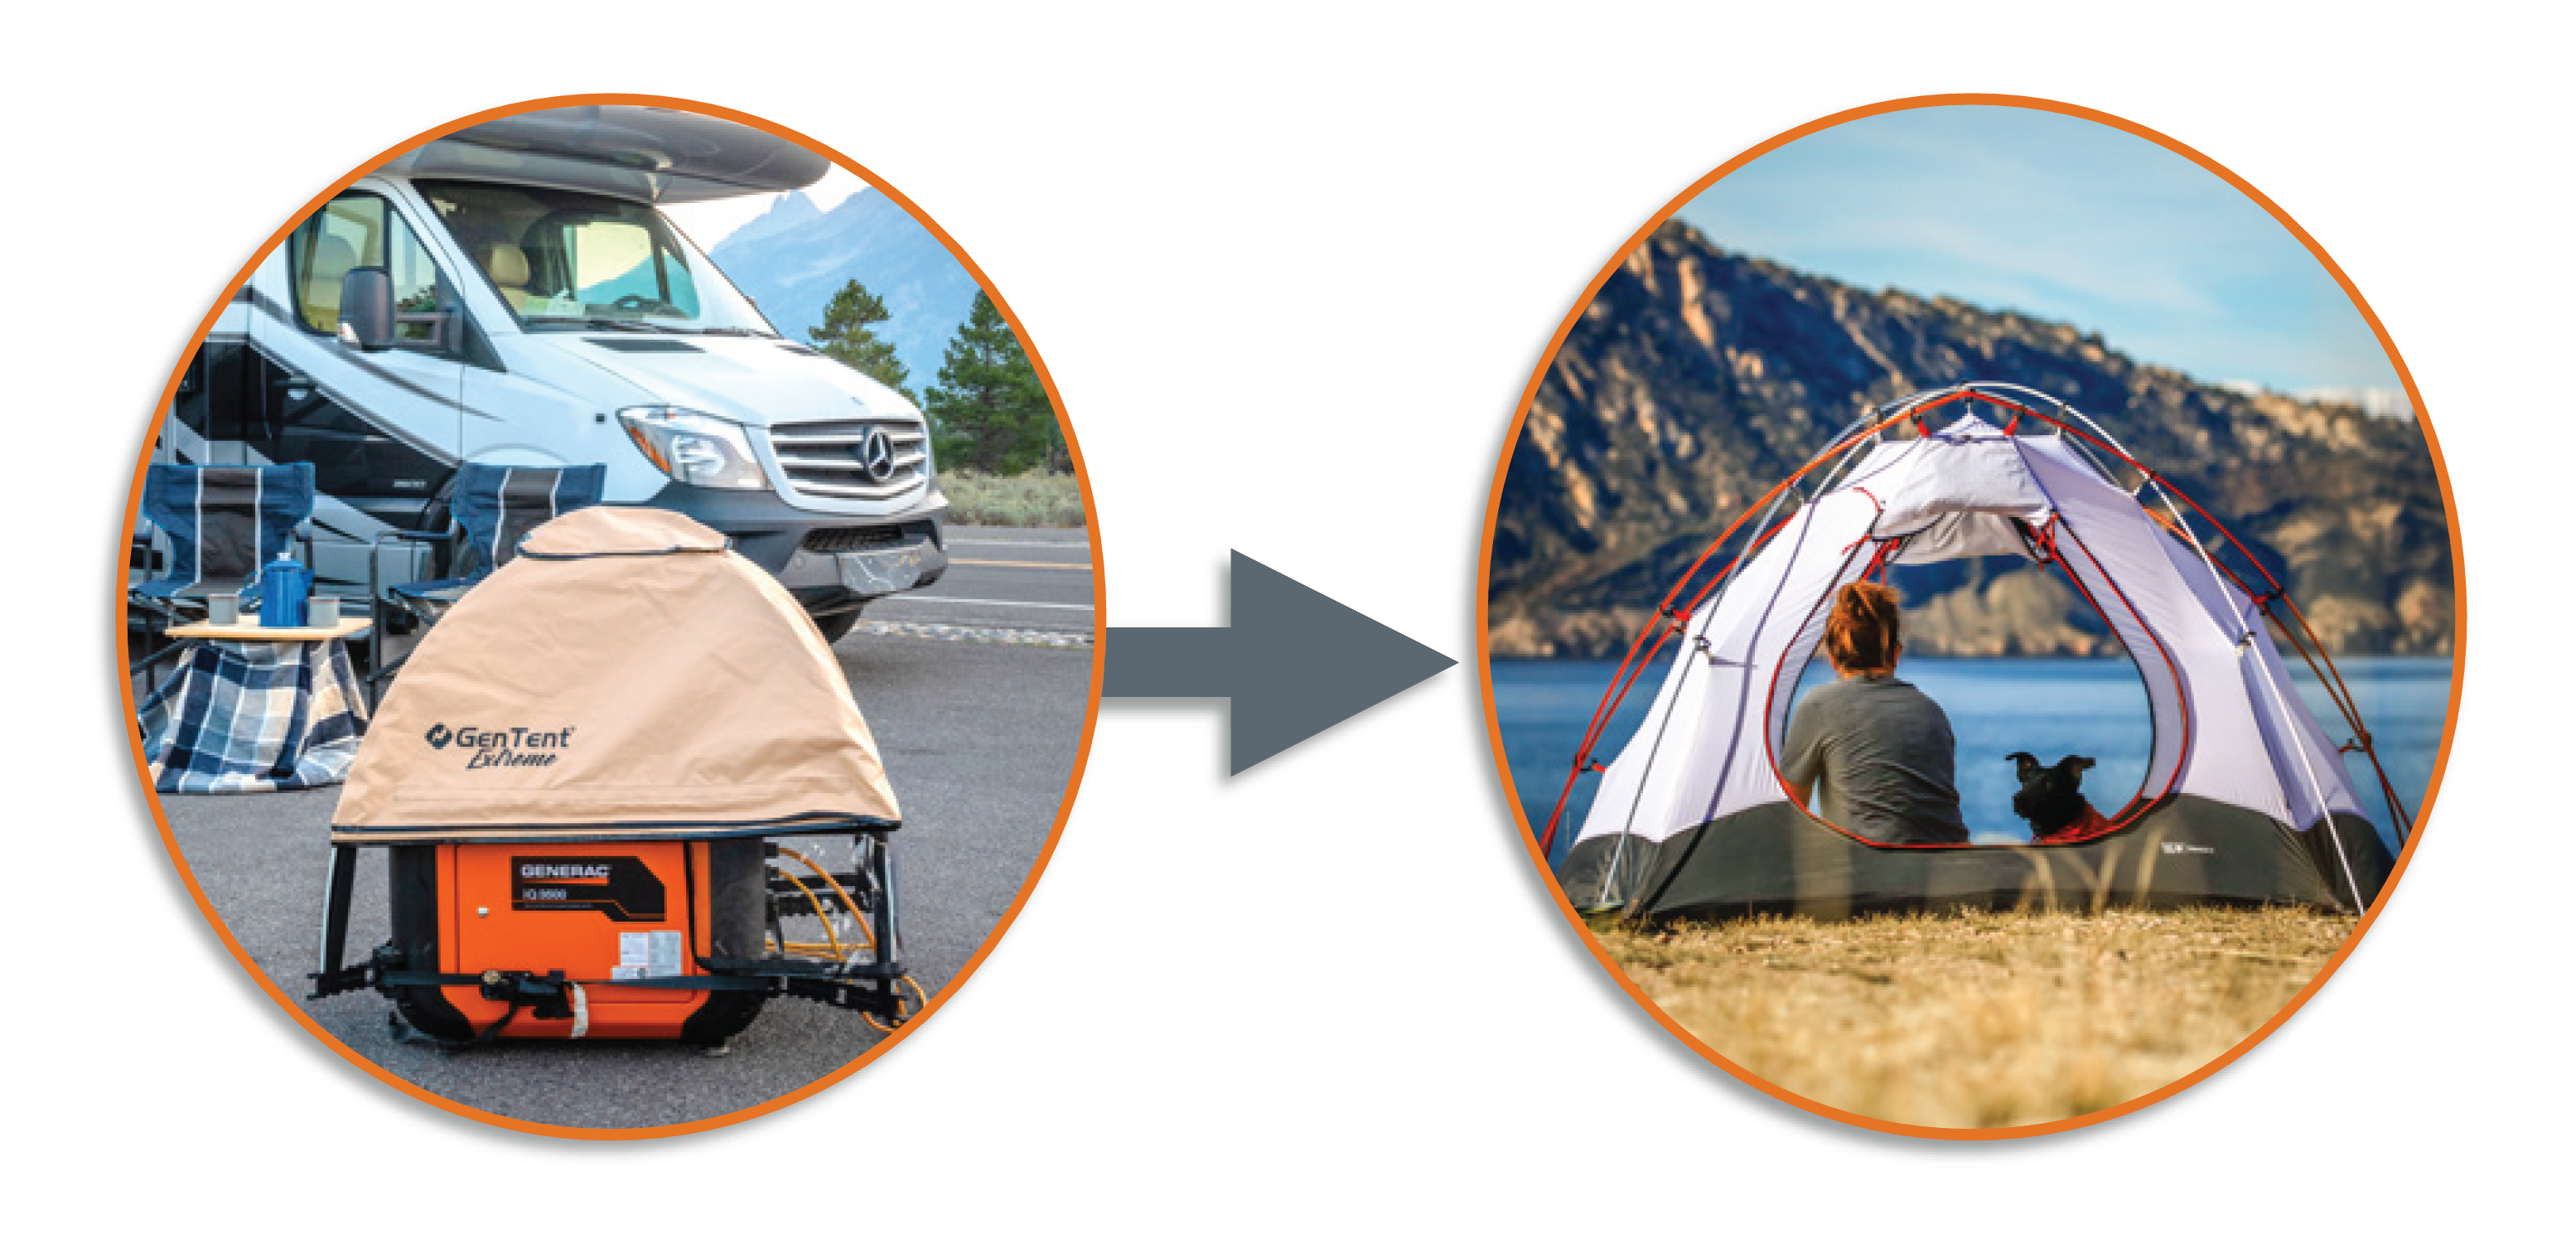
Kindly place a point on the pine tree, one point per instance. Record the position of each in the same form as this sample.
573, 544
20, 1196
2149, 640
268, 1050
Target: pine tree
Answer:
844, 337
988, 411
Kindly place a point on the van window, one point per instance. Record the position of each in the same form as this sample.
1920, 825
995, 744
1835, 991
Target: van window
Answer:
361, 230
563, 259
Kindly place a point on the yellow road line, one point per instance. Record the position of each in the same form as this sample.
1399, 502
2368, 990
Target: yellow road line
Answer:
1018, 563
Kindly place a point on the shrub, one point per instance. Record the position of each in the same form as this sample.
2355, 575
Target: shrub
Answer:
1035, 499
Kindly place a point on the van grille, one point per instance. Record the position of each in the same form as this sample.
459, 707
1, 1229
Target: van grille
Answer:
865, 537
822, 459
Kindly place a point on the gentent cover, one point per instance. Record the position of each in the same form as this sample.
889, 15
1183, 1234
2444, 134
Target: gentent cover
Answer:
625, 676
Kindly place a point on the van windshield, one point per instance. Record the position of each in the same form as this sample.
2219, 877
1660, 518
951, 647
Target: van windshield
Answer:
566, 260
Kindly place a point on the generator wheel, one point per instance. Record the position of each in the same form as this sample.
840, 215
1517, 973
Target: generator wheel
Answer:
725, 1015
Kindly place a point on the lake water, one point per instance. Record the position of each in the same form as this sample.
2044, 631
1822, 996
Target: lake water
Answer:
2049, 706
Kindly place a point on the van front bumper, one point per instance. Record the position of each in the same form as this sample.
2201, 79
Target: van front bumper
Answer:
831, 564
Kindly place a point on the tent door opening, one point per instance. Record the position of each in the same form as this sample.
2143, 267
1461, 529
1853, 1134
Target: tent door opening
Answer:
2072, 712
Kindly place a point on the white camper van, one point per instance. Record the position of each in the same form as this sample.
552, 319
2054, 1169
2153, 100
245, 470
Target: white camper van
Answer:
516, 297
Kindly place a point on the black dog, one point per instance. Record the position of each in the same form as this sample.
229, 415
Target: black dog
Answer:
2052, 797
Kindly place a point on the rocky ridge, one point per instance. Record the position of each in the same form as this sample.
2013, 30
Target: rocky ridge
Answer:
1699, 377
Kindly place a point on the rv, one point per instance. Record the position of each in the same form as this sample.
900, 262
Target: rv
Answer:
513, 294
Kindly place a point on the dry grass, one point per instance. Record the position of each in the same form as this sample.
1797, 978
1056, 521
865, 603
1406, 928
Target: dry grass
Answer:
1035, 499
1980, 1020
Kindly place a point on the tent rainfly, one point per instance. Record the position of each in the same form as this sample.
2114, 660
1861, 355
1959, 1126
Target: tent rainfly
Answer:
2245, 799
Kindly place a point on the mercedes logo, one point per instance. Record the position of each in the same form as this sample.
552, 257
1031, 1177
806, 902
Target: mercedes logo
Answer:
876, 455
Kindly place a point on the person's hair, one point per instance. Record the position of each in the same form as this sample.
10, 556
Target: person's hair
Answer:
1861, 635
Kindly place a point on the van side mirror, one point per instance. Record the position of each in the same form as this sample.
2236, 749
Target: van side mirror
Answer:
367, 309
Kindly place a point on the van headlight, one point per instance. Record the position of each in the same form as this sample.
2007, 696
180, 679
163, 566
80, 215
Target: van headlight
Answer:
693, 448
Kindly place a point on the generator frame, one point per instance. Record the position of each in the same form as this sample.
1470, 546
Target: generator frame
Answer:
873, 988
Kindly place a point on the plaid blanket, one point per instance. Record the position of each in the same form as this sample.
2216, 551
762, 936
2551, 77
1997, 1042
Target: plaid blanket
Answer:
249, 716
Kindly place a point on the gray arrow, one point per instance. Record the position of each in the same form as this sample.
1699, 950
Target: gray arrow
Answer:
1295, 662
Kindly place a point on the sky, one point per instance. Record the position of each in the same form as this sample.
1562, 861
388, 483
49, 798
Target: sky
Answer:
2060, 217
709, 223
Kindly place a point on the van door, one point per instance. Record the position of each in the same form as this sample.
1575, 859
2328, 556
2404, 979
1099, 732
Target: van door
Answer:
380, 429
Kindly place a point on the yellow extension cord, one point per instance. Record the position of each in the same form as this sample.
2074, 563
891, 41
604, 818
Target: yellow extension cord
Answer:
831, 947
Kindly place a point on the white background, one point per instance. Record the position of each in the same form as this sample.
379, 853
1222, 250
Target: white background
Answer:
1290, 272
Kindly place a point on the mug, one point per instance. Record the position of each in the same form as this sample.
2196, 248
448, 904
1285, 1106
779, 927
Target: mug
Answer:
223, 609
322, 611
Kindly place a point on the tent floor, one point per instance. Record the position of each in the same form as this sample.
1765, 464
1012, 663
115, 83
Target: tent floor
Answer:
1774, 859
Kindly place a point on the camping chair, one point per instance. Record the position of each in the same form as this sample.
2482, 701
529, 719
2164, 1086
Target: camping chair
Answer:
492, 507
222, 523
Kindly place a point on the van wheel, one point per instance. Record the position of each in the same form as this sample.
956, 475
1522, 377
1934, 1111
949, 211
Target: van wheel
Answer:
837, 626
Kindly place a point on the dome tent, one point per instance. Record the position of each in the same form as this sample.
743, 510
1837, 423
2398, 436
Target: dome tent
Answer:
2245, 800
578, 779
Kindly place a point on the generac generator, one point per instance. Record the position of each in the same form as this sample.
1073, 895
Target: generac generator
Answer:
607, 784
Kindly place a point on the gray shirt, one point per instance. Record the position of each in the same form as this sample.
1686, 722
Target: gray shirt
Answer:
1881, 756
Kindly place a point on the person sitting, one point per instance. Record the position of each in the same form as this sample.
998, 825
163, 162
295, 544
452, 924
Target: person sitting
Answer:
1876, 755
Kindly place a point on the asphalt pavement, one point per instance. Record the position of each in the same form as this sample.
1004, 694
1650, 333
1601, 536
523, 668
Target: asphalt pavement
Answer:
977, 691
1036, 580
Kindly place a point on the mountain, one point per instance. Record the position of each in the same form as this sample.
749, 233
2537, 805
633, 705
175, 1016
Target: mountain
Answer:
794, 257
1698, 378
787, 211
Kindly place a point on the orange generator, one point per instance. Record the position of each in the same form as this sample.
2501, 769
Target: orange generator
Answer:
597, 783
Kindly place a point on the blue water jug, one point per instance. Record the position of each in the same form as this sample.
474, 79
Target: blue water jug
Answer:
283, 587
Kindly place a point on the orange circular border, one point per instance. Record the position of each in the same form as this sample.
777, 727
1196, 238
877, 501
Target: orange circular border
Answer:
1091, 715
1484, 652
